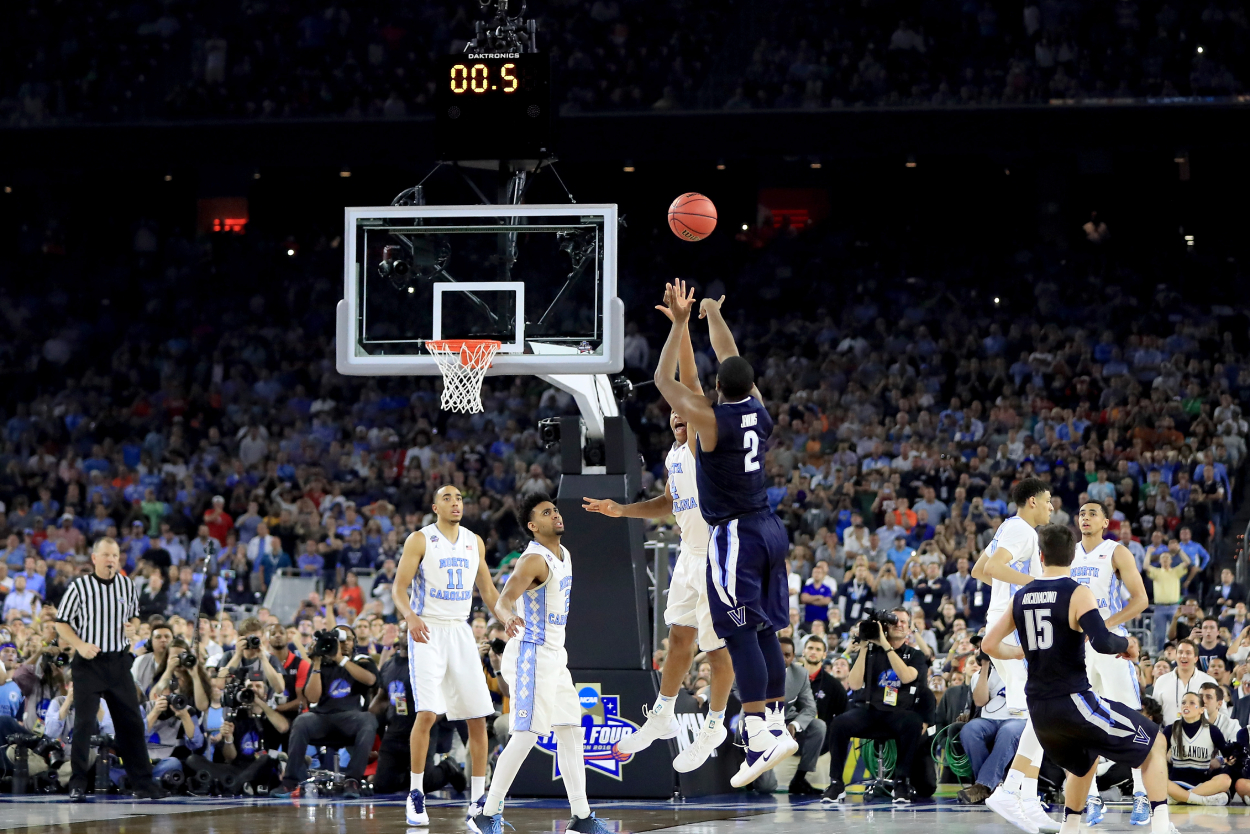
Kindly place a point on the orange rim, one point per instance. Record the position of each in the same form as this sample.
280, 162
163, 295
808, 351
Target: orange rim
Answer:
467, 348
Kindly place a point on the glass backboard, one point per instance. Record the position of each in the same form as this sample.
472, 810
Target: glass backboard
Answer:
539, 279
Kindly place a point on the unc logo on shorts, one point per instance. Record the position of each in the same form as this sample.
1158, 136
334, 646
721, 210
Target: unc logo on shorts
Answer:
600, 734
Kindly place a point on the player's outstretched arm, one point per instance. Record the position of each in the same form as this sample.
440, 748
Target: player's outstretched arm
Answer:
484, 581
687, 368
722, 337
530, 568
693, 407
993, 644
409, 562
1123, 562
657, 507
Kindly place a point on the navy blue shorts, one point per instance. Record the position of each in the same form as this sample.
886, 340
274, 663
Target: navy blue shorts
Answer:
747, 583
1075, 730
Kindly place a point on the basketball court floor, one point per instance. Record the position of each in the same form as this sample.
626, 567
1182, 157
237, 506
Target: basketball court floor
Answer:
729, 814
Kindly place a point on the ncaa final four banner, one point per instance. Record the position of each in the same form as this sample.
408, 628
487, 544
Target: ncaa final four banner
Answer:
611, 704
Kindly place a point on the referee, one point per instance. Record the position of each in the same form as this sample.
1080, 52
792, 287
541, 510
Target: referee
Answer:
94, 619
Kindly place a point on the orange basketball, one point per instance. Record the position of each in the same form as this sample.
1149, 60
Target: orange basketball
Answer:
692, 216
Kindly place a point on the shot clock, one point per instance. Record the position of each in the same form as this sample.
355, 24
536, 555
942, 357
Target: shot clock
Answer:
493, 105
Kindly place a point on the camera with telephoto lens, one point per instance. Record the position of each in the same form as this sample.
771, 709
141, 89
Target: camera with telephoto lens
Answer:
325, 643
870, 626
236, 698
187, 659
49, 748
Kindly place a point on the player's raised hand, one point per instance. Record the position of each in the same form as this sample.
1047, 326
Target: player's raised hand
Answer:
604, 506
710, 304
679, 300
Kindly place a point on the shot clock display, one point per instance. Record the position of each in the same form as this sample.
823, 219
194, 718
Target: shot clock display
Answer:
493, 105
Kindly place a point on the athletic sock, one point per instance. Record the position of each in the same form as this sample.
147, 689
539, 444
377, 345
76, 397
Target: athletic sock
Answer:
1196, 799
506, 768
1013, 781
715, 717
416, 781
665, 705
1071, 821
1138, 785
1028, 787
1093, 790
477, 787
1160, 820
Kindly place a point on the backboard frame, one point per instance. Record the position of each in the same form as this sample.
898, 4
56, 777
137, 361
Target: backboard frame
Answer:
352, 361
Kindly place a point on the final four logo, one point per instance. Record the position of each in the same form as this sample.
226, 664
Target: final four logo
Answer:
602, 727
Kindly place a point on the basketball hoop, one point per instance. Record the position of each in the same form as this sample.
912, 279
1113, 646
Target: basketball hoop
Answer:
463, 363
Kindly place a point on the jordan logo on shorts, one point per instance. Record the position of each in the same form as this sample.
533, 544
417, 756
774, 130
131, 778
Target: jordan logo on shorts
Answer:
738, 615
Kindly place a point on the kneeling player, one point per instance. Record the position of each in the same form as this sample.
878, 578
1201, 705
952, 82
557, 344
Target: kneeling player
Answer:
1054, 615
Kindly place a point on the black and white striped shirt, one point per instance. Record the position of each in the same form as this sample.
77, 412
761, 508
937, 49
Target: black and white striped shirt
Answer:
97, 610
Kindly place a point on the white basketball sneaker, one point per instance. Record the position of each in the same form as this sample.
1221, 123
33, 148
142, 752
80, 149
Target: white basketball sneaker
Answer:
1033, 811
414, 809
766, 748
658, 725
709, 738
1008, 806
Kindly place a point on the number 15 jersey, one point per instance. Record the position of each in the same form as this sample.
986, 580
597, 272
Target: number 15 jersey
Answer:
1054, 650
731, 478
443, 586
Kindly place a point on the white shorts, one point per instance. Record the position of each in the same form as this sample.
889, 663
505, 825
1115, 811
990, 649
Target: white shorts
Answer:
687, 598
1015, 673
446, 672
1113, 678
542, 693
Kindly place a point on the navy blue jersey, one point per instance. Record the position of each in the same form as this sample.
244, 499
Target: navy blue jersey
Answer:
1054, 651
731, 479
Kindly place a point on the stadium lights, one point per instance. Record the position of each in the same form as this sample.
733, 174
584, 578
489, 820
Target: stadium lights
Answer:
256, 175
345, 173
629, 169
1200, 50
169, 177
8, 189
997, 300
290, 253
720, 166
1189, 240
744, 227
911, 161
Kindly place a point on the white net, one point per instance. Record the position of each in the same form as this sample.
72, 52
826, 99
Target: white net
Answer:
463, 364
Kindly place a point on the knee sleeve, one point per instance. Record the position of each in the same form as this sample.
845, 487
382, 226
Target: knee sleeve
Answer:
749, 666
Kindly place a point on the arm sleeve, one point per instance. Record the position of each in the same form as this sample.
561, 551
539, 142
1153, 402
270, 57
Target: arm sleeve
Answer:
1103, 641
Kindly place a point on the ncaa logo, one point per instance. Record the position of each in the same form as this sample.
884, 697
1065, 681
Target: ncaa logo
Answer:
602, 728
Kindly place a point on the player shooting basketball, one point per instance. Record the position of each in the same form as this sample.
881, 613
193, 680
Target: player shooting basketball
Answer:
687, 614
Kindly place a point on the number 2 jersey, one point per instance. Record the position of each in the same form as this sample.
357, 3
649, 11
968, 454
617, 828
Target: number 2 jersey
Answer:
731, 477
545, 609
443, 586
1054, 650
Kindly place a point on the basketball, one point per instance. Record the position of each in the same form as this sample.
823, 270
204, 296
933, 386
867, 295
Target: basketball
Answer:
692, 216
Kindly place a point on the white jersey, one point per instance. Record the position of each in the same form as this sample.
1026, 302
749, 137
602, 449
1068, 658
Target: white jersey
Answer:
443, 586
681, 485
545, 609
1196, 751
1096, 571
1019, 538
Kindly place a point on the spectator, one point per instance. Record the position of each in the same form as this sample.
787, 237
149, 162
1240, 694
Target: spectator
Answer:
1166, 587
816, 596
991, 738
21, 601
1187, 678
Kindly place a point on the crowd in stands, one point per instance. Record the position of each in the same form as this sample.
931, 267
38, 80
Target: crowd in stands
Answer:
86, 61
980, 52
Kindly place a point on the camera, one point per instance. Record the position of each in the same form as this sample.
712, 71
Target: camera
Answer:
101, 740
252, 641
62, 659
393, 265
497, 646
870, 626
48, 748
236, 698
325, 643
187, 659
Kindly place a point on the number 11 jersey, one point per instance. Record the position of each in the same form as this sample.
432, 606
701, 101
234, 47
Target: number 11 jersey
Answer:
731, 478
443, 586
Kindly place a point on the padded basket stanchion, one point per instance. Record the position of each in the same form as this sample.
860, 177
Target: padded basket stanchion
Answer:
463, 363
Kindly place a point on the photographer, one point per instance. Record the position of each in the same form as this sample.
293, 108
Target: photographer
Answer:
892, 675
250, 726
182, 672
393, 703
144, 670
59, 723
172, 733
337, 688
251, 653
